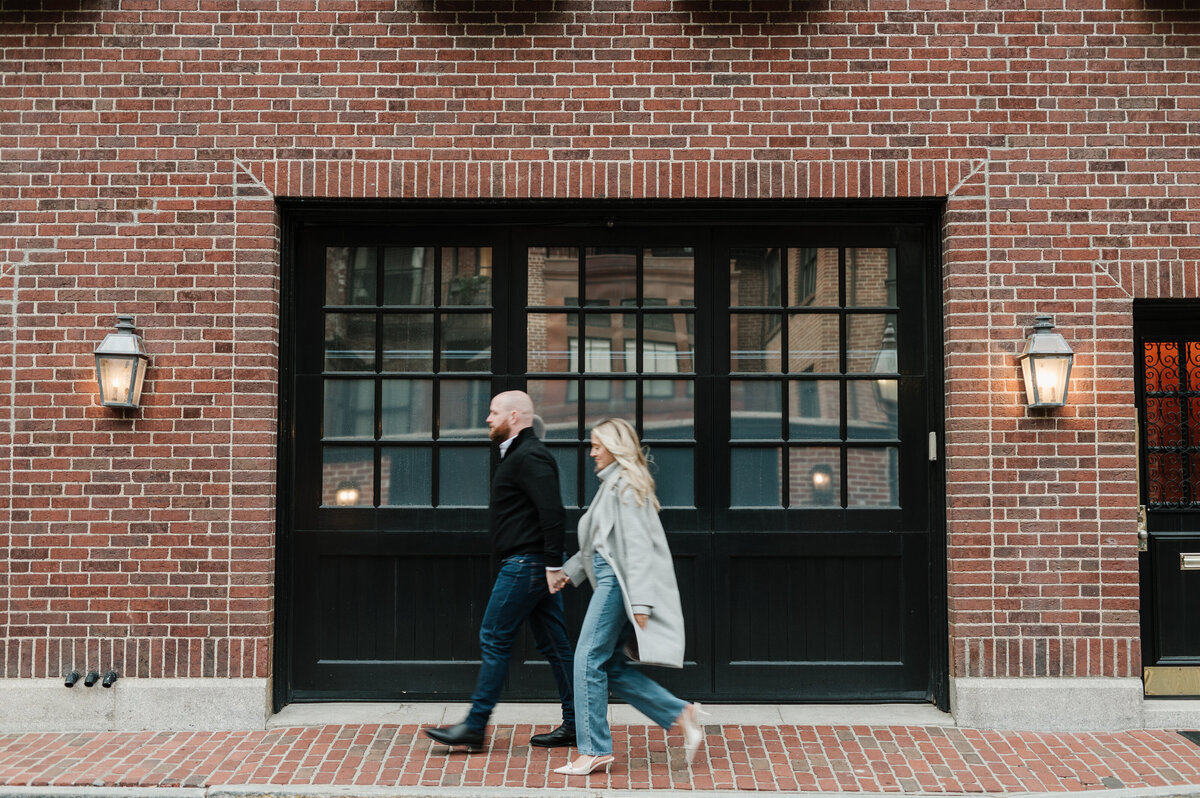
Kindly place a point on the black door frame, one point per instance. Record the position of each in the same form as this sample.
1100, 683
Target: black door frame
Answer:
296, 213
1166, 529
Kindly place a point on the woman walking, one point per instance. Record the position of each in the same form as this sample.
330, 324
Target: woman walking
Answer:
634, 612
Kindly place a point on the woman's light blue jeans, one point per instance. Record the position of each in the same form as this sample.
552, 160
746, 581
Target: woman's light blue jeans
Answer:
600, 663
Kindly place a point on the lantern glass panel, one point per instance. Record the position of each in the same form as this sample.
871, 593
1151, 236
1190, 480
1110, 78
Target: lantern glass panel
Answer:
117, 377
1049, 379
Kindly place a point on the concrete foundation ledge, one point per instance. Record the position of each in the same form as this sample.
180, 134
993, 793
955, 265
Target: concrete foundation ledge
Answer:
134, 705
1047, 704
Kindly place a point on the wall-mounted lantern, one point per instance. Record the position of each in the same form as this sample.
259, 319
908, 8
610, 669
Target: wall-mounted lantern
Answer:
1046, 365
886, 362
121, 362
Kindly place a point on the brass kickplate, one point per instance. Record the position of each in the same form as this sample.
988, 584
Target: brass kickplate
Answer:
1165, 680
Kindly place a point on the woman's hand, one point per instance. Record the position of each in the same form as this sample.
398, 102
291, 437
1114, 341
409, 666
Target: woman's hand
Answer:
641, 620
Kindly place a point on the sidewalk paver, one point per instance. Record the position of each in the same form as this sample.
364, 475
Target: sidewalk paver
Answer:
781, 758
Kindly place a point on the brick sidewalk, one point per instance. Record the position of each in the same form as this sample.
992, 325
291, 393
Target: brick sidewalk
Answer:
902, 759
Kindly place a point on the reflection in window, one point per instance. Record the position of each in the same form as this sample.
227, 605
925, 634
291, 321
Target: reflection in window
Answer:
407, 408
872, 475
350, 275
349, 409
407, 276
756, 408
466, 342
755, 342
408, 342
668, 276
870, 277
463, 408
813, 340
754, 277
466, 275
814, 410
610, 274
347, 476
815, 477
349, 341
553, 275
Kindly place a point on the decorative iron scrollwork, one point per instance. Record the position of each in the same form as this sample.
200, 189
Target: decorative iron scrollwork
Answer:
1172, 408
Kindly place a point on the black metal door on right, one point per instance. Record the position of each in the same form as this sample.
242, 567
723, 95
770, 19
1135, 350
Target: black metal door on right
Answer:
1167, 352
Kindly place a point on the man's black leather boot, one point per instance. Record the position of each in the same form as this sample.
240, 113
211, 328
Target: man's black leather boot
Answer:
562, 736
456, 736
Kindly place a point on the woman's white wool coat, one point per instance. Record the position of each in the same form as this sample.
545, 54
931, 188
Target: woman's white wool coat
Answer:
634, 543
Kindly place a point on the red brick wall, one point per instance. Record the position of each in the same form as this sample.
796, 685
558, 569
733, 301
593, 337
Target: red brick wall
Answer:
142, 145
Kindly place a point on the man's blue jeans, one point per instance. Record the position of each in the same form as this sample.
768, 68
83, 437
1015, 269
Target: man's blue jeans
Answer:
601, 663
519, 594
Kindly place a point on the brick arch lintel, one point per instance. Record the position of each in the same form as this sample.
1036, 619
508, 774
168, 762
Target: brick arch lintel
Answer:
348, 176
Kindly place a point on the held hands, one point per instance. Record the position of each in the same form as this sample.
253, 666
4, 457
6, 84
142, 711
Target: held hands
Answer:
556, 580
641, 620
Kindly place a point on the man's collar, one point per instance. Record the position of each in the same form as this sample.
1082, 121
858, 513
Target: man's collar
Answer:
504, 446
526, 432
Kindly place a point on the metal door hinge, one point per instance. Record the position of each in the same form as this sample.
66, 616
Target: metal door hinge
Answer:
932, 446
1143, 535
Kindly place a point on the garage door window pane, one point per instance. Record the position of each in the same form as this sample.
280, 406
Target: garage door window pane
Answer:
463, 476
872, 476
349, 341
755, 477
350, 275
407, 408
408, 342
673, 471
347, 476
349, 409
406, 476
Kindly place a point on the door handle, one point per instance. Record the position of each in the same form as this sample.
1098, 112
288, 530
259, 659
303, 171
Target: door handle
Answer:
1143, 535
1189, 562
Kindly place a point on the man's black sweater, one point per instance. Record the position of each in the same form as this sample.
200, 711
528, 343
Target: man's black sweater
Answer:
526, 513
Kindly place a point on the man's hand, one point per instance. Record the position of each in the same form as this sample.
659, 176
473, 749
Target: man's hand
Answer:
556, 580
641, 620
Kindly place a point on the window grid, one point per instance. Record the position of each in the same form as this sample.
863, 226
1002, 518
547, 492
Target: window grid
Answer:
428, 296
789, 380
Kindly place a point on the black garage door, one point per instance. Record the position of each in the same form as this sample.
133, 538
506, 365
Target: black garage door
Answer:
782, 364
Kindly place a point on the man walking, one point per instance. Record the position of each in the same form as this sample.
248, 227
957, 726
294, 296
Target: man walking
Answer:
527, 522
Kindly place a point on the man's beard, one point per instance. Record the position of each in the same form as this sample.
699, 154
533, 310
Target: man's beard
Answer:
499, 433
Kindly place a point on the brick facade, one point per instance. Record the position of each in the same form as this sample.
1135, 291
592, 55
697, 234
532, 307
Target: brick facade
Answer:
142, 146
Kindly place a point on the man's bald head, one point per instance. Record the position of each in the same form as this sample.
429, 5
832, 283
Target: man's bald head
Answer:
509, 413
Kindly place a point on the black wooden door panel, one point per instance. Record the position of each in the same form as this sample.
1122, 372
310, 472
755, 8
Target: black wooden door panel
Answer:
1176, 597
822, 617
384, 617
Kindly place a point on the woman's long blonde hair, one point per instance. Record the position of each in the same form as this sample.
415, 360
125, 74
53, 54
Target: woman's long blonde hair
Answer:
620, 438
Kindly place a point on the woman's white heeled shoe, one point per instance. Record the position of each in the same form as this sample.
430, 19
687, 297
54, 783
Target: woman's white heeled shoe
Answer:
693, 730
594, 764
